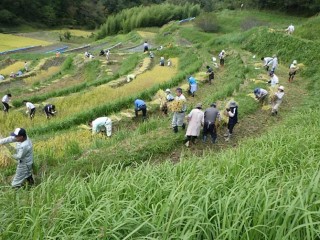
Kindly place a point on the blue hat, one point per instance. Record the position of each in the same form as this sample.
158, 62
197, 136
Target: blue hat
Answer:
256, 91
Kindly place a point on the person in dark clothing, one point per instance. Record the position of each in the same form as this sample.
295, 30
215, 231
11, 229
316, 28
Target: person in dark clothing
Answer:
210, 74
49, 110
102, 52
233, 119
210, 116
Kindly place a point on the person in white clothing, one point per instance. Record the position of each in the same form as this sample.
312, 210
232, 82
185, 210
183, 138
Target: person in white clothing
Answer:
290, 29
178, 116
101, 124
24, 156
108, 55
26, 67
274, 80
222, 56
31, 109
195, 121
277, 100
145, 47
169, 98
5, 102
267, 62
1, 77
274, 63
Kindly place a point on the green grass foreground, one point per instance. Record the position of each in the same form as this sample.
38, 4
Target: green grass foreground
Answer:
263, 187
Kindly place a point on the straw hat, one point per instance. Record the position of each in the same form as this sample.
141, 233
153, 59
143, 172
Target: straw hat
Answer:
281, 88
199, 105
168, 90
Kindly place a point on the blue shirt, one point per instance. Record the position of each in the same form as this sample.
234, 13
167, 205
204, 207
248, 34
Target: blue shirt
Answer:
192, 80
139, 103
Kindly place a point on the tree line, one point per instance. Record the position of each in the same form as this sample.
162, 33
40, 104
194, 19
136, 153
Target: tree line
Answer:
155, 15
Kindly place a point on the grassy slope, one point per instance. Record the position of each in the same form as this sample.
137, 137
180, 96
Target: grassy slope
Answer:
266, 188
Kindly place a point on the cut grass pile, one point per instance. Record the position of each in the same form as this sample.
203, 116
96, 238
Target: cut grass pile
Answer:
9, 42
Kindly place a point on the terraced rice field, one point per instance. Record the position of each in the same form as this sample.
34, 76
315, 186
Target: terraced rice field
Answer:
10, 41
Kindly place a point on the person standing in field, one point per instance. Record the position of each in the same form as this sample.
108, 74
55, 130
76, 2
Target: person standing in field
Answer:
26, 67
262, 95
108, 55
140, 105
31, 109
195, 121
290, 29
274, 80
293, 70
49, 110
210, 74
267, 62
101, 124
24, 157
211, 115
179, 114
277, 100
193, 86
5, 102
274, 63
232, 113
145, 47
222, 56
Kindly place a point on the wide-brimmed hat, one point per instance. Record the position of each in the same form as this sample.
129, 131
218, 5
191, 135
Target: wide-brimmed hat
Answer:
281, 88
168, 90
232, 104
199, 105
295, 62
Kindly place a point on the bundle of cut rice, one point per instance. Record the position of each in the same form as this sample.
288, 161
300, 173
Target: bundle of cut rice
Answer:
5, 157
160, 98
176, 105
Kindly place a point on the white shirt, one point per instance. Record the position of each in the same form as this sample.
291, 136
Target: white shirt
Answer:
99, 123
268, 61
275, 62
221, 55
145, 44
293, 67
274, 80
5, 99
279, 95
290, 28
1, 77
30, 105
262, 93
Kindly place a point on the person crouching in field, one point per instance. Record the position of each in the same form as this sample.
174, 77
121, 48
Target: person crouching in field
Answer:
140, 105
49, 110
5, 102
169, 98
31, 109
24, 156
277, 100
261, 95
267, 62
101, 124
193, 86
293, 70
195, 121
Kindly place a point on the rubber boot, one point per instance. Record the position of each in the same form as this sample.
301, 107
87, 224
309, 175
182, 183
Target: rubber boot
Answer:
175, 129
204, 139
30, 180
214, 140
183, 126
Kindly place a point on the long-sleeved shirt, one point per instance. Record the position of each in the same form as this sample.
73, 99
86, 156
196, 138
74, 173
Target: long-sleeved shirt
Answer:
211, 115
274, 80
139, 103
99, 123
275, 62
24, 150
29, 105
279, 95
192, 80
221, 55
5, 99
268, 61
169, 97
233, 115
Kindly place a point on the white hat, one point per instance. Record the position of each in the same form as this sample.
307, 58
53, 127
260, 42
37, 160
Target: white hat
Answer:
281, 88
168, 90
294, 62
223, 51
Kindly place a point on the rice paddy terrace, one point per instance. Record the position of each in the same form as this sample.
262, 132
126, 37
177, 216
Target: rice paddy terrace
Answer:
143, 182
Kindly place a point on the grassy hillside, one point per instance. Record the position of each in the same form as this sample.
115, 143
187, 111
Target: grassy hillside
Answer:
143, 183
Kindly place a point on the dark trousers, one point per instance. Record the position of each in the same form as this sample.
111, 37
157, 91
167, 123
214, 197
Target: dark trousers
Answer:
143, 109
210, 128
32, 112
231, 126
191, 139
222, 62
48, 113
5, 107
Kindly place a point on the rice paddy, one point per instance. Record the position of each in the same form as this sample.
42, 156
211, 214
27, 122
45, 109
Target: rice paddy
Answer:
15, 67
10, 42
